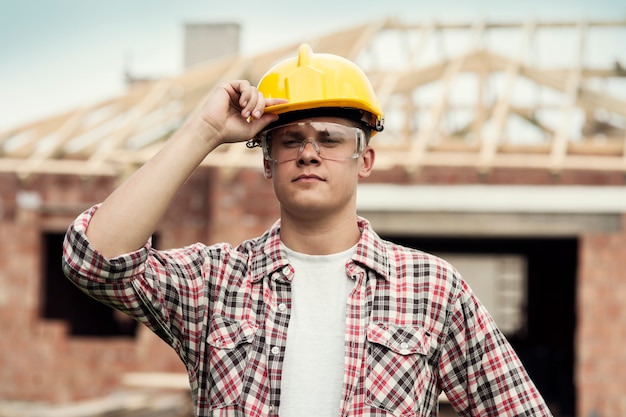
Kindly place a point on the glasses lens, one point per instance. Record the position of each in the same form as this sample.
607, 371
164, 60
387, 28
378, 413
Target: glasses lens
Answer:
332, 141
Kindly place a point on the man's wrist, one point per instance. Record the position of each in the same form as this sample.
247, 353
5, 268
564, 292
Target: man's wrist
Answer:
205, 137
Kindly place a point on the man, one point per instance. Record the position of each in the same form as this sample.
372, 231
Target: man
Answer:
319, 316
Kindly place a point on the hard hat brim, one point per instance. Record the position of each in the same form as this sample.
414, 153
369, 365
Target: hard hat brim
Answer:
311, 104
376, 120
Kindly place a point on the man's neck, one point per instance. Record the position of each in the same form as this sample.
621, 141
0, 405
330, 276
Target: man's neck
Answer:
321, 236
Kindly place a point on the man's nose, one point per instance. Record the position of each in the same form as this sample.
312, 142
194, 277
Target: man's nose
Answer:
308, 153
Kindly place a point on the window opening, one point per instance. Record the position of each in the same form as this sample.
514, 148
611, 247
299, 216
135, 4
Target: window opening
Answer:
62, 300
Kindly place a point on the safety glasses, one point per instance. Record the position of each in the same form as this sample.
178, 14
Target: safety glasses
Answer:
331, 141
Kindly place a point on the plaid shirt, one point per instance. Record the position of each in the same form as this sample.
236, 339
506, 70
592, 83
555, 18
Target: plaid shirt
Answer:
413, 327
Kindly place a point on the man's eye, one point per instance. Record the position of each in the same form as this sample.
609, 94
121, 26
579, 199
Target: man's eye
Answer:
330, 141
291, 143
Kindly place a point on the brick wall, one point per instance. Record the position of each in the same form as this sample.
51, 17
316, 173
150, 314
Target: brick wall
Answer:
39, 361
19, 263
601, 336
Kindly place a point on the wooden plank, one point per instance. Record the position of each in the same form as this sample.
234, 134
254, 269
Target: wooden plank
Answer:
573, 85
421, 141
501, 111
126, 404
399, 25
59, 166
389, 83
168, 380
111, 145
61, 136
109, 155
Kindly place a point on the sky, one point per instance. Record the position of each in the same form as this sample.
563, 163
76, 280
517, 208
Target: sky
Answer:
56, 55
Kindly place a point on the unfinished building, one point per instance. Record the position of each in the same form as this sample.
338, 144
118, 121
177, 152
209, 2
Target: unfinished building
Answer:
504, 151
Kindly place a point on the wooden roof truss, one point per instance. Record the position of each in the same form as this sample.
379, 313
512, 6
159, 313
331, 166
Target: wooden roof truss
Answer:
471, 94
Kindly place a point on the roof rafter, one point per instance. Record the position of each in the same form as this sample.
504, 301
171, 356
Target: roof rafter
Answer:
445, 106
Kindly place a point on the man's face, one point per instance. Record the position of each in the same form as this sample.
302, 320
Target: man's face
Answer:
315, 165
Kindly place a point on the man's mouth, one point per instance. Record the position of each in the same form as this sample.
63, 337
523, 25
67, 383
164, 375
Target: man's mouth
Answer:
307, 177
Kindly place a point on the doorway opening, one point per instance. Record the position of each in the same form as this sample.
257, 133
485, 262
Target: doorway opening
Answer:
544, 337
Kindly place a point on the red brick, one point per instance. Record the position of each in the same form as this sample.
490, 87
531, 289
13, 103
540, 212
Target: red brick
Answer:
40, 361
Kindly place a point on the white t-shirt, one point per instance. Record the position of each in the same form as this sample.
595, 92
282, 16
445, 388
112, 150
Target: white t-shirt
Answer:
314, 355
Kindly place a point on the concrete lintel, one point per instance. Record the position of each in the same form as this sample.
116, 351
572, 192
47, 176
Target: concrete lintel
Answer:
492, 199
491, 224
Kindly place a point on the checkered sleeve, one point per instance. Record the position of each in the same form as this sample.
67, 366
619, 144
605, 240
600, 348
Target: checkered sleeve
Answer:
480, 373
161, 289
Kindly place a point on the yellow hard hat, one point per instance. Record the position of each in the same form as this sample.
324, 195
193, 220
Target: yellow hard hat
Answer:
316, 81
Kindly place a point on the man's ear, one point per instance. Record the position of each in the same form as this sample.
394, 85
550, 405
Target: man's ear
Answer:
267, 169
367, 158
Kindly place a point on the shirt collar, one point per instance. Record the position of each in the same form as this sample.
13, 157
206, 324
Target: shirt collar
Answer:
371, 251
268, 258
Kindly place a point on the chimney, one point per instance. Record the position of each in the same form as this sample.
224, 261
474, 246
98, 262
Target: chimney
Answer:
206, 41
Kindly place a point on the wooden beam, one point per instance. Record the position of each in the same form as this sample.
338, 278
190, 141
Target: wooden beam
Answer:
624, 151
525, 161
490, 141
573, 85
365, 38
420, 143
60, 137
59, 166
167, 380
111, 145
108, 154
399, 25
424, 135
390, 81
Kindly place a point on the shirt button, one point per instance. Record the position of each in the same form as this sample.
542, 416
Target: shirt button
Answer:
404, 345
286, 270
275, 350
218, 343
282, 307
271, 408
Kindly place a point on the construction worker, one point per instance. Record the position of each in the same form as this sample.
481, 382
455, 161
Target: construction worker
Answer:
318, 316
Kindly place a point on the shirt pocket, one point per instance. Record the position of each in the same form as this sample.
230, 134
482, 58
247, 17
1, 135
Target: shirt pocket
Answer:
230, 342
397, 368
